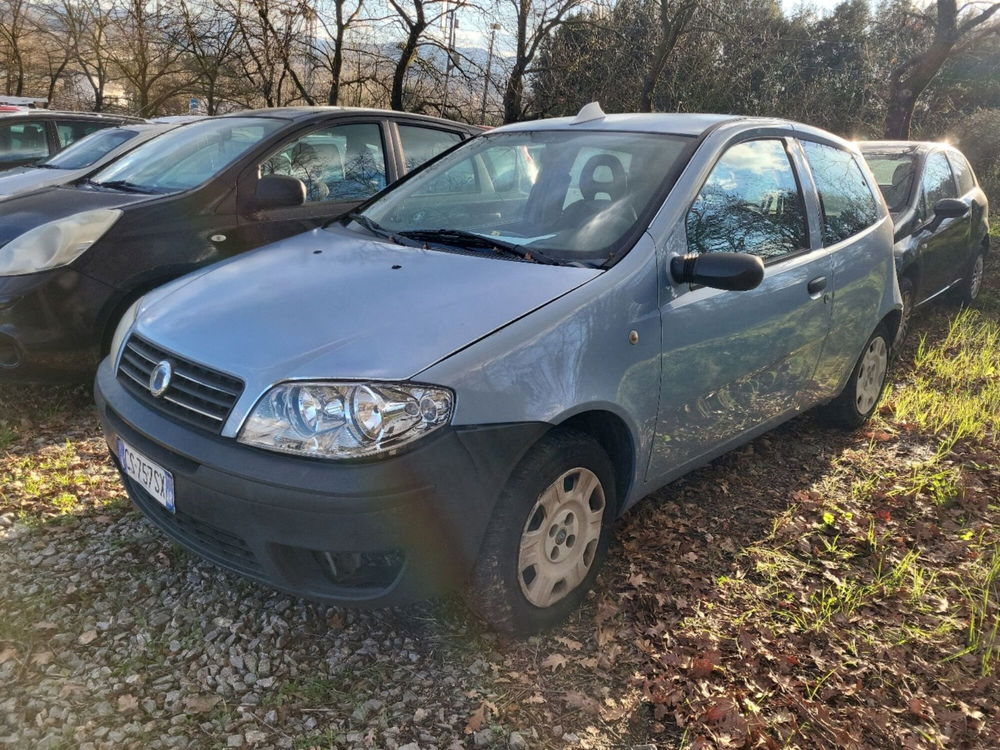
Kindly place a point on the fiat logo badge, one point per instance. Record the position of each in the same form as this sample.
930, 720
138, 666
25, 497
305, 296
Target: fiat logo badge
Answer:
159, 378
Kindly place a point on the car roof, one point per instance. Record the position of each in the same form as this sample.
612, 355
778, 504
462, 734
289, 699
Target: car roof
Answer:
676, 123
306, 113
35, 114
901, 147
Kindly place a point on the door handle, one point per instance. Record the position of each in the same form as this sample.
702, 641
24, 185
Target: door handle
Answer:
817, 285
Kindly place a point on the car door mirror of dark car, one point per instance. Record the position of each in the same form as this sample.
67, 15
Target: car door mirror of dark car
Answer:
736, 272
944, 209
278, 191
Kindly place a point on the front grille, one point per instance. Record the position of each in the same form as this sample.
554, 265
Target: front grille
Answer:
196, 394
219, 546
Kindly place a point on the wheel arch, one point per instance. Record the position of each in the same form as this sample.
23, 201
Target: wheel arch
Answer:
612, 433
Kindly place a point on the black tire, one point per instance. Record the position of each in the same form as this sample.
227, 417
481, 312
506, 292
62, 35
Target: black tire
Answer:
495, 591
906, 314
968, 290
844, 411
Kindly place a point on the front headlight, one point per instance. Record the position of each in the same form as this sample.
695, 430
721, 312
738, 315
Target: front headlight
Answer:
57, 243
123, 328
345, 420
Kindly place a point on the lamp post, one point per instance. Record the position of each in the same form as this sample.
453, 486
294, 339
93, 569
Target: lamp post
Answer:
494, 28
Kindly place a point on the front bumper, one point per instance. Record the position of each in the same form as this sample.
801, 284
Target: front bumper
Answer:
50, 326
372, 533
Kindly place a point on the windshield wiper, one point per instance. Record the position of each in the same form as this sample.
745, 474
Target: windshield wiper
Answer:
461, 238
123, 185
371, 225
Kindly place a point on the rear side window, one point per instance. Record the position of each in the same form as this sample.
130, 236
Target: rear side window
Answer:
423, 144
937, 181
74, 130
750, 203
963, 172
22, 140
847, 202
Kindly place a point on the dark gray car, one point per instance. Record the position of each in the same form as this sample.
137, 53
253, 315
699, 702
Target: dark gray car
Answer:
941, 219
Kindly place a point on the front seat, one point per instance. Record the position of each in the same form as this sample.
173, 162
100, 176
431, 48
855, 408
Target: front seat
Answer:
581, 212
898, 190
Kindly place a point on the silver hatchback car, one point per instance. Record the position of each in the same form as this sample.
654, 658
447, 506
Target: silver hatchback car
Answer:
465, 382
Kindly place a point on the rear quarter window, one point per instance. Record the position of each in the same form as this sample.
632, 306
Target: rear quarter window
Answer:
846, 199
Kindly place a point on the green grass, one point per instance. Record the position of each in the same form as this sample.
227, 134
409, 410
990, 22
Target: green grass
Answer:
954, 388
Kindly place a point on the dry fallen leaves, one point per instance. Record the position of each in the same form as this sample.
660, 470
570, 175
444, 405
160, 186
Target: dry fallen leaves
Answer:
199, 704
554, 661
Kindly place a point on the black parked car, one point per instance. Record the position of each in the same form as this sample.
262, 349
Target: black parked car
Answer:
941, 219
74, 258
30, 135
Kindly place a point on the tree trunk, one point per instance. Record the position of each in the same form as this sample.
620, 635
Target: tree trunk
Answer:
402, 65
673, 22
909, 80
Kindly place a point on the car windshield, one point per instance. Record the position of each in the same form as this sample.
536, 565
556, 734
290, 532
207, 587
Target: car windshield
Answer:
188, 156
894, 173
88, 150
554, 194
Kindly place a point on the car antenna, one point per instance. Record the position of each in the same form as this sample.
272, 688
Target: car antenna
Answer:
589, 112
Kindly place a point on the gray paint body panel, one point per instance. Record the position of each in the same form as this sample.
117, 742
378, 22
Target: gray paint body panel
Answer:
521, 342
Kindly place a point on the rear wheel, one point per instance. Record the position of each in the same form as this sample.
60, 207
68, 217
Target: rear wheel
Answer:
972, 284
906, 292
548, 535
857, 402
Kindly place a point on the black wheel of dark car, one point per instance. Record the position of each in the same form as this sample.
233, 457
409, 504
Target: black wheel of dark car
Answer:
861, 395
972, 284
548, 535
906, 292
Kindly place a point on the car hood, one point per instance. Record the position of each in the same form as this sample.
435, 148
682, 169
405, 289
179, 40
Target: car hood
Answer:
335, 304
33, 178
21, 213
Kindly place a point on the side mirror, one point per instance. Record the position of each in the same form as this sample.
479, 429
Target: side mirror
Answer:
736, 272
944, 209
278, 191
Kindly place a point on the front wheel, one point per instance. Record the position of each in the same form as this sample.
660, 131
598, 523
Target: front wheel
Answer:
861, 394
548, 535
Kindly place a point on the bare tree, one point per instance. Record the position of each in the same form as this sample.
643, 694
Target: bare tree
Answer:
415, 17
15, 28
329, 49
534, 21
909, 80
674, 17
210, 40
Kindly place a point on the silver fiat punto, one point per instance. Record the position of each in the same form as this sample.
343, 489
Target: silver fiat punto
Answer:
466, 381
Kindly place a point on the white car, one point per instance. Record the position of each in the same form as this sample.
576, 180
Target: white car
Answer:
85, 156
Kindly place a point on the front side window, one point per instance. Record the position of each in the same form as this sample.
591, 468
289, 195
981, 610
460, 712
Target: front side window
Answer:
73, 130
750, 203
937, 182
846, 200
22, 140
894, 174
963, 172
188, 156
338, 163
571, 196
87, 150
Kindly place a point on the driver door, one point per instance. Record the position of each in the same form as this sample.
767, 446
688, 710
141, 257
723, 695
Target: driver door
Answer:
735, 360
341, 165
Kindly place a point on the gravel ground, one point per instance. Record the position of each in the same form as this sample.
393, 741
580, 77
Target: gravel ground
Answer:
112, 637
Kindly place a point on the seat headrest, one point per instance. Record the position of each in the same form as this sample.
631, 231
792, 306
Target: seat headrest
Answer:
614, 187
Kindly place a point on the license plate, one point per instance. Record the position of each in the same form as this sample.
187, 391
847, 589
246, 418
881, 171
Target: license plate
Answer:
152, 477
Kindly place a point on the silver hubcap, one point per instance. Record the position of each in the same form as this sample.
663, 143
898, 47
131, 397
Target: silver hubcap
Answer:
976, 281
874, 364
560, 538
